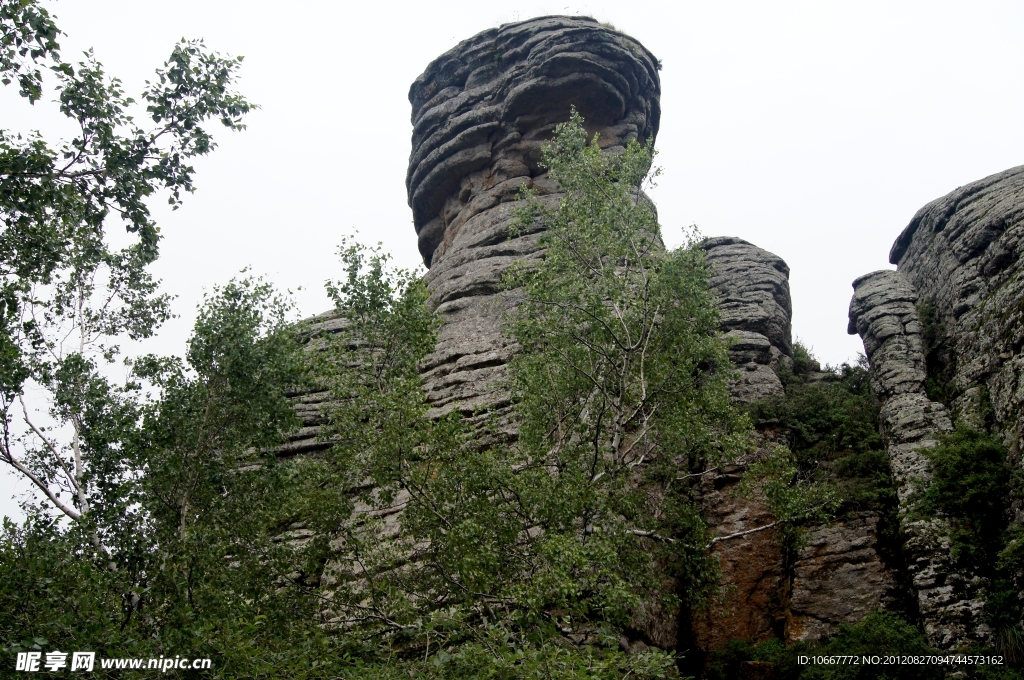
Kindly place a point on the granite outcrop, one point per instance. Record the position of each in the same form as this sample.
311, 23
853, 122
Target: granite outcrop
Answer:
945, 337
884, 313
840, 574
964, 254
481, 113
751, 287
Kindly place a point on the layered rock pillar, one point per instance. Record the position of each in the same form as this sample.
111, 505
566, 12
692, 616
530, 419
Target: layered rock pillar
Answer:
964, 253
960, 260
751, 287
481, 113
884, 313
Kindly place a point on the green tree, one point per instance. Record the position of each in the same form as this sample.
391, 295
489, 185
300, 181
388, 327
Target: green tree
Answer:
207, 572
67, 296
463, 555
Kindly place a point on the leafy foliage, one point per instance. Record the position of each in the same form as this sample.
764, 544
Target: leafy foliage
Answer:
940, 361
27, 35
622, 381
66, 295
971, 485
832, 428
200, 566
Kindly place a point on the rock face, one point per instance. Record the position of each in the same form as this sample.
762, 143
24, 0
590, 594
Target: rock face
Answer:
951, 318
481, 113
840, 575
752, 287
884, 312
964, 253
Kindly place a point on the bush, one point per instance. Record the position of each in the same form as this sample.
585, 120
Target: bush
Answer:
832, 427
970, 484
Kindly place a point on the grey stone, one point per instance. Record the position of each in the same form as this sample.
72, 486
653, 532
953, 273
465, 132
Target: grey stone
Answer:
751, 287
883, 312
964, 253
838, 577
481, 113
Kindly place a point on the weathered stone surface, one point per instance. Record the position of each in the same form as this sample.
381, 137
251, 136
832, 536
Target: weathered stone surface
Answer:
964, 253
752, 566
752, 286
481, 113
838, 577
482, 110
752, 290
310, 406
884, 313
961, 254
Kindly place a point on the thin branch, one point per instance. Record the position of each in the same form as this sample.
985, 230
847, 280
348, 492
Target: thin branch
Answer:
740, 534
46, 442
69, 511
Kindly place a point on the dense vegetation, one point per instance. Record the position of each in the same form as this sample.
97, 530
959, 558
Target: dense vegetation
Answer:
973, 486
186, 532
830, 421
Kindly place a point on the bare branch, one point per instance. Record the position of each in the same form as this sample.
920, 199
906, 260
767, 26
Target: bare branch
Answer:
740, 534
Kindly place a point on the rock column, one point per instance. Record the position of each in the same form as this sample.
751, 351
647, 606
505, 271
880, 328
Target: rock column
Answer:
884, 313
481, 113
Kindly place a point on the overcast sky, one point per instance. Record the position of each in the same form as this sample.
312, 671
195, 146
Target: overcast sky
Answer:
814, 130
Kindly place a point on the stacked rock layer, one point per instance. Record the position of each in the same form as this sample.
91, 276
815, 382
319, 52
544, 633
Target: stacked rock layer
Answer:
964, 253
840, 575
752, 290
960, 270
884, 312
481, 113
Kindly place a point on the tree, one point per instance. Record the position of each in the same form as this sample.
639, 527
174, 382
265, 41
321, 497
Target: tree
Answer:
205, 572
531, 556
66, 295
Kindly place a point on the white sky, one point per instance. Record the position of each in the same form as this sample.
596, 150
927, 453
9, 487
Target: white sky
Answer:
814, 130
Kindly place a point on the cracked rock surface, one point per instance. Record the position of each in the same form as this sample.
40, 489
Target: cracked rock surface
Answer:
884, 313
752, 290
481, 113
838, 577
961, 259
964, 253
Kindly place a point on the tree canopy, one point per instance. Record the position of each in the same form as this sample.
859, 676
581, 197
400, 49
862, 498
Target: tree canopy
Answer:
67, 296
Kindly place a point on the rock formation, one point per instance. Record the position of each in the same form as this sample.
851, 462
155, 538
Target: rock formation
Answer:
960, 271
481, 113
839, 576
964, 253
884, 313
752, 290
476, 142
